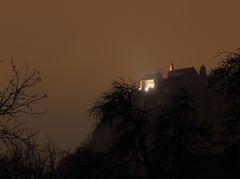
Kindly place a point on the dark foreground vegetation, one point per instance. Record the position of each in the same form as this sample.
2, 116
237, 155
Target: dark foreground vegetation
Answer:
135, 136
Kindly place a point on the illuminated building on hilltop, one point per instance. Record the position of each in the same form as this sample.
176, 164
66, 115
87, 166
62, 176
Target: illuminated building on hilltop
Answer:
207, 104
157, 92
181, 75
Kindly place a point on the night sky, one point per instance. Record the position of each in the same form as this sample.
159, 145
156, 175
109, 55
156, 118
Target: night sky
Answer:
80, 47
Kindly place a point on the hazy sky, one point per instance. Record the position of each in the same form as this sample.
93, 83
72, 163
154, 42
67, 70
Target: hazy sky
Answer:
80, 47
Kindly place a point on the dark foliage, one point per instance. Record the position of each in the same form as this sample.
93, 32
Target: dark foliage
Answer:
227, 78
122, 109
30, 161
177, 136
140, 147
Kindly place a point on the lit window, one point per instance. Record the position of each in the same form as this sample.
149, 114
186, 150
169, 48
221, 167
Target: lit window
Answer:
149, 84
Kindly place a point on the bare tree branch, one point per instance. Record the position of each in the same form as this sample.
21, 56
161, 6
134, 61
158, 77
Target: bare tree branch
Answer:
15, 99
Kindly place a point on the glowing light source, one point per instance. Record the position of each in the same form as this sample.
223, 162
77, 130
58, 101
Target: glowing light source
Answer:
149, 84
141, 86
171, 66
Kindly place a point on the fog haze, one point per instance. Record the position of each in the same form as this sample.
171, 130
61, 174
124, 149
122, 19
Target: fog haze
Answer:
80, 47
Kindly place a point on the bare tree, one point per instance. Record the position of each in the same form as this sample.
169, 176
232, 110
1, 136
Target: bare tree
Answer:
16, 99
24, 161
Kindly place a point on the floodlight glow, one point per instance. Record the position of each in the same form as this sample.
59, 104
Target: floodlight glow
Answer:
149, 84
140, 87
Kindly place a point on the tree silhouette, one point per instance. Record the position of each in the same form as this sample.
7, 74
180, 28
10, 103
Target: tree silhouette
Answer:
179, 135
31, 161
20, 156
17, 99
83, 163
226, 79
121, 109
134, 149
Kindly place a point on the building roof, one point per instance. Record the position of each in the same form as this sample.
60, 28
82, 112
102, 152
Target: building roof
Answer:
183, 72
